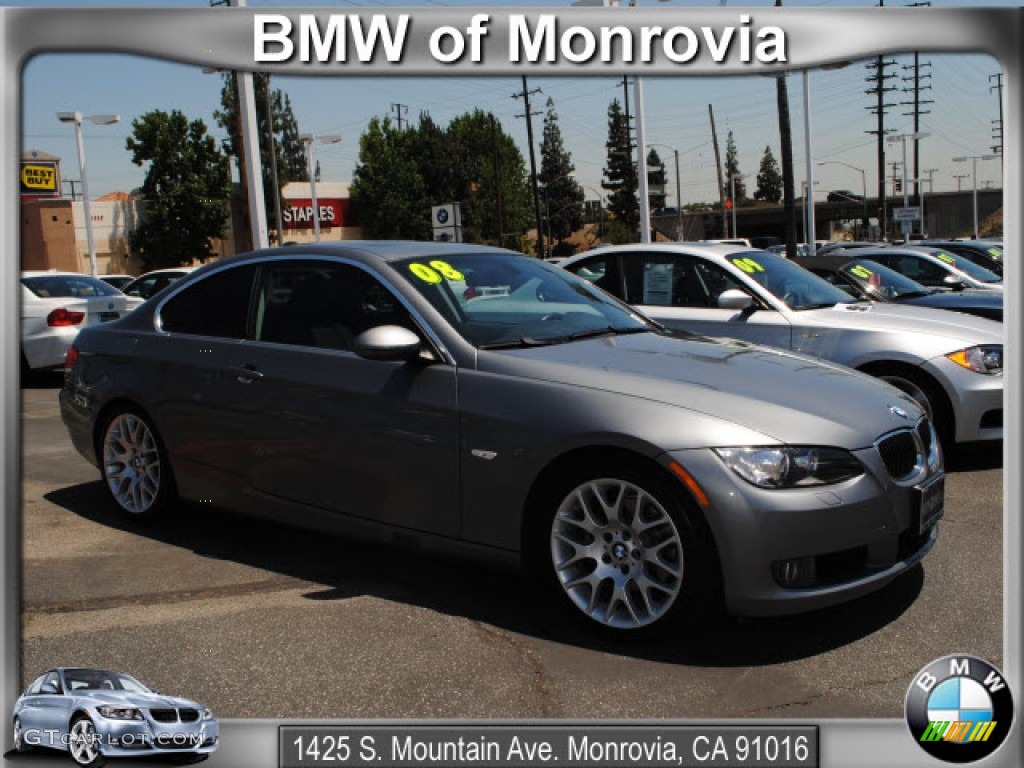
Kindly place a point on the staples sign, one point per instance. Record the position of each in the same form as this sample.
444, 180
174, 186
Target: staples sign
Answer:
298, 212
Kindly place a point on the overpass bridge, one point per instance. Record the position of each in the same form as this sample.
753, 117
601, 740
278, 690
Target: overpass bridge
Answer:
947, 214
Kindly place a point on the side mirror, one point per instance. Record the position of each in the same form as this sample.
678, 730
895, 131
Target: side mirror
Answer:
735, 299
387, 342
954, 282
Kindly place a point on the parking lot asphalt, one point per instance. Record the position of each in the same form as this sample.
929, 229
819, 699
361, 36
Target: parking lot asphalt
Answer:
257, 619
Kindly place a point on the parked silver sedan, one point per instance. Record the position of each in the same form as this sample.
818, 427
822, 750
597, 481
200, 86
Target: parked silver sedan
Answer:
952, 365
472, 399
93, 714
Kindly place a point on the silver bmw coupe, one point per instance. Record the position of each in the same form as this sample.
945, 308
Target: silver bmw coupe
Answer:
93, 714
474, 399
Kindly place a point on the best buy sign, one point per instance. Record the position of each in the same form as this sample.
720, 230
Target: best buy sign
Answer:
40, 178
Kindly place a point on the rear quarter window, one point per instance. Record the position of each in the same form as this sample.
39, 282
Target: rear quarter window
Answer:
217, 305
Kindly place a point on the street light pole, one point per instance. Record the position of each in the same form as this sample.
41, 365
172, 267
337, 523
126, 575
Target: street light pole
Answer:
907, 226
77, 118
974, 181
679, 199
307, 139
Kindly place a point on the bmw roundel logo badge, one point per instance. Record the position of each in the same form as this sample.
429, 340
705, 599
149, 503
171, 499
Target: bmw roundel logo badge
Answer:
959, 709
442, 215
895, 410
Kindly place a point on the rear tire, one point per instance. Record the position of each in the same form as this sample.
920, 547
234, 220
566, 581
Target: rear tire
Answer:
134, 464
627, 549
18, 738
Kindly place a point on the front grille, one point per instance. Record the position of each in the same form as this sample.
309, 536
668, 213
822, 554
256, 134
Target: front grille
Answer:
164, 715
924, 431
188, 715
899, 453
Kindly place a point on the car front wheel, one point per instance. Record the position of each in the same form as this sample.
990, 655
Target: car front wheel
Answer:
135, 467
84, 743
628, 551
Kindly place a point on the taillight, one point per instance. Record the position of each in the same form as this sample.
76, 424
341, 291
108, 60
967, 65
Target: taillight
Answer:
70, 358
61, 317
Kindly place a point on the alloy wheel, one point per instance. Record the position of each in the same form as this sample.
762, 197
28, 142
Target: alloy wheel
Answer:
131, 463
83, 742
617, 553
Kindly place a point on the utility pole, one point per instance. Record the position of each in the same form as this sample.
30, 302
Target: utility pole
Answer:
916, 104
960, 177
71, 182
632, 177
525, 96
718, 169
879, 78
399, 110
496, 165
997, 128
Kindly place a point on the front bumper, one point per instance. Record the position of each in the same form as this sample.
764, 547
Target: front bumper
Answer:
125, 738
861, 534
977, 399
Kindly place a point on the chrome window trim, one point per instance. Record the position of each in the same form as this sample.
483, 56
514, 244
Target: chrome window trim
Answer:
179, 285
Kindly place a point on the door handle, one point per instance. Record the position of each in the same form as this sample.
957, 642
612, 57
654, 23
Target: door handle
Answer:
246, 374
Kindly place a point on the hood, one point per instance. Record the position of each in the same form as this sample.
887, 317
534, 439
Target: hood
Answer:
958, 330
141, 700
787, 397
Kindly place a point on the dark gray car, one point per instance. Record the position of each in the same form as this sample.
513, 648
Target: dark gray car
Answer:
470, 398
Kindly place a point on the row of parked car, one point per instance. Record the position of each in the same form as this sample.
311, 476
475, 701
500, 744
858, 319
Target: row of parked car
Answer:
649, 430
55, 306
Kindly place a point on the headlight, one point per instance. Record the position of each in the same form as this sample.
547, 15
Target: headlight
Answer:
207, 714
119, 713
791, 466
985, 358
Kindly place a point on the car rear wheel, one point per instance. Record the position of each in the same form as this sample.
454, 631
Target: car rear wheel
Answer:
83, 743
628, 551
18, 738
134, 464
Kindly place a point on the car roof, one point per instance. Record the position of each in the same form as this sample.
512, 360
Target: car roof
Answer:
386, 250
720, 250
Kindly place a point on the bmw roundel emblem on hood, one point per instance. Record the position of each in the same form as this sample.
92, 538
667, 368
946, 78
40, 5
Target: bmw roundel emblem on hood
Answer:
897, 411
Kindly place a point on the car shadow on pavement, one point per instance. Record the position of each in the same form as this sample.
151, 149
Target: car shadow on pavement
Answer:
342, 568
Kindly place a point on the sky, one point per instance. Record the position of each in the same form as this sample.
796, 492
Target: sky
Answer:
959, 119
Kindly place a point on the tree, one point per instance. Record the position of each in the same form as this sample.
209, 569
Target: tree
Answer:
656, 180
290, 153
561, 193
388, 195
492, 178
620, 174
186, 189
473, 162
769, 179
732, 169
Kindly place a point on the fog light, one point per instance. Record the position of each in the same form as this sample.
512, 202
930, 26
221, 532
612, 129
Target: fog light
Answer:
795, 573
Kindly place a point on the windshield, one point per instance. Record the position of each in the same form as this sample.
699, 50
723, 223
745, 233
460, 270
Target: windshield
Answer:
966, 266
68, 286
789, 282
882, 282
98, 679
495, 300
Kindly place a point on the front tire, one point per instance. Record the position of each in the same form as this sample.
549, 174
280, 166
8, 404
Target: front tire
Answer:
134, 464
629, 550
84, 743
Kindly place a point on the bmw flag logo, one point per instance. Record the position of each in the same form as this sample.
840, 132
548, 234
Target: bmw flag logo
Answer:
959, 709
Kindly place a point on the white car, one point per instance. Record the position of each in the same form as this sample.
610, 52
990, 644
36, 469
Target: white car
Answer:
950, 363
151, 283
55, 306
